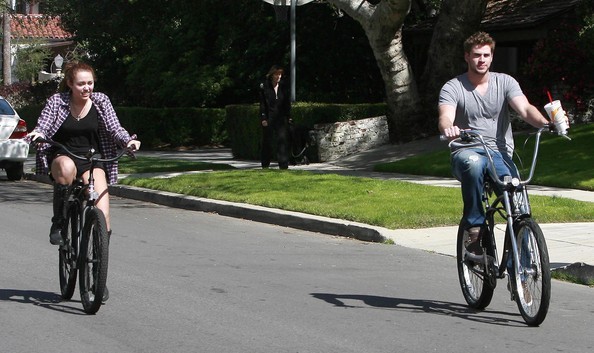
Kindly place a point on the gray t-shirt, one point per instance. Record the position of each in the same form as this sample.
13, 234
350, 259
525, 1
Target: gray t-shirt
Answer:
488, 113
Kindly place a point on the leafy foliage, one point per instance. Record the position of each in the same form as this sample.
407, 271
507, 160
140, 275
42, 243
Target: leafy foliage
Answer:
30, 59
212, 53
563, 63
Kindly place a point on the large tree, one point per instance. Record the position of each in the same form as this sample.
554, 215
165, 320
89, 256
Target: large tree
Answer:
382, 22
410, 110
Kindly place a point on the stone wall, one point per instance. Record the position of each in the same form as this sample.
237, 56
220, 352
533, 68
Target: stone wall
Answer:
341, 139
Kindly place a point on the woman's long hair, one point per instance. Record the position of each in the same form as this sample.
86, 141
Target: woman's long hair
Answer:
274, 69
70, 70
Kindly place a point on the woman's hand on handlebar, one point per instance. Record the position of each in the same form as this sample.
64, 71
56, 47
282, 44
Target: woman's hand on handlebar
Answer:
34, 135
134, 145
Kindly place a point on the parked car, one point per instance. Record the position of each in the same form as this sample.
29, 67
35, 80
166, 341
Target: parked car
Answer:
13, 150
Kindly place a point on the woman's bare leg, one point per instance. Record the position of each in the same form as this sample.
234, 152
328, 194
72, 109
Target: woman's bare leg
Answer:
101, 189
63, 171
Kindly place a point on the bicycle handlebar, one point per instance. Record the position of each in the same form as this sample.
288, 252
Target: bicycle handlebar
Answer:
471, 138
91, 155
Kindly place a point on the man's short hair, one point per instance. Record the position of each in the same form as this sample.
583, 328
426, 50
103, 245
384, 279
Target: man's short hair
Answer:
479, 38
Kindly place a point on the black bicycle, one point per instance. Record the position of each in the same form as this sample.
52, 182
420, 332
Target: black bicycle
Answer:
85, 245
525, 258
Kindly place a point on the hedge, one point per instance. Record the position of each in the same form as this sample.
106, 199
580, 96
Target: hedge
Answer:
237, 126
167, 127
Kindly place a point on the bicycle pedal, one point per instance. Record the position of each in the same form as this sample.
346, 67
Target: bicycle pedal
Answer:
470, 257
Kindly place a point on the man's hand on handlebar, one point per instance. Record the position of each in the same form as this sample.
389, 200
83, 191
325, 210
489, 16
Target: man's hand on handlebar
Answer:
451, 132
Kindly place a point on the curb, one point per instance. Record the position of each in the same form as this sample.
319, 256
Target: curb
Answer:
583, 273
283, 218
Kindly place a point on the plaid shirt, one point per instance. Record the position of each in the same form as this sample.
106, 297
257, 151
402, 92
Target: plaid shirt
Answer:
56, 111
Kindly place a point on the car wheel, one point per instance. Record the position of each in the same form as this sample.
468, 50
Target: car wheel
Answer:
14, 171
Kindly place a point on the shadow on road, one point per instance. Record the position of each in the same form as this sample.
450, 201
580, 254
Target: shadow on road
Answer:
419, 305
48, 300
24, 192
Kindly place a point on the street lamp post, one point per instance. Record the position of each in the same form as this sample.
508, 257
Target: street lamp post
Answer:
58, 61
293, 4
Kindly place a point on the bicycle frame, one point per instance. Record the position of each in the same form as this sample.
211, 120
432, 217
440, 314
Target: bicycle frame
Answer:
510, 186
87, 249
525, 259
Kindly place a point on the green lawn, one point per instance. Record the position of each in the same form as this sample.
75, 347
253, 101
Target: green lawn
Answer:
386, 203
158, 165
561, 163
391, 204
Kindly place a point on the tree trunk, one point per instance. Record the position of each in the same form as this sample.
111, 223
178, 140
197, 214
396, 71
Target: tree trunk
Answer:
457, 20
382, 24
401, 90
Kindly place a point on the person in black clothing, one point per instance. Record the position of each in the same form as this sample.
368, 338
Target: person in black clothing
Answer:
275, 108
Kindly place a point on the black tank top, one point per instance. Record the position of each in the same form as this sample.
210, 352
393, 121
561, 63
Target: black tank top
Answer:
80, 135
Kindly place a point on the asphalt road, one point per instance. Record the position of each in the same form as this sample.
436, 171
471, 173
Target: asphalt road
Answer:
184, 281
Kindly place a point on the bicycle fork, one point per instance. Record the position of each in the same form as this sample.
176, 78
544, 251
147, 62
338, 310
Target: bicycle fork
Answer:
519, 272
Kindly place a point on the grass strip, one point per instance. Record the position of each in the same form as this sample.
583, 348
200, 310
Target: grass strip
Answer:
386, 203
158, 165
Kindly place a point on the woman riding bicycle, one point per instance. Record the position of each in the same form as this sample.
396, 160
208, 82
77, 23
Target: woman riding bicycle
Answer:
80, 119
480, 100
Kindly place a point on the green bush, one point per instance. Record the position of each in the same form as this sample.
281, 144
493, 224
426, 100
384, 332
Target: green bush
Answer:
174, 127
243, 127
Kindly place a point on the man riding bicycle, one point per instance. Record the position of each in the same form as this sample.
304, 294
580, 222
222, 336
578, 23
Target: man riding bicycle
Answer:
480, 100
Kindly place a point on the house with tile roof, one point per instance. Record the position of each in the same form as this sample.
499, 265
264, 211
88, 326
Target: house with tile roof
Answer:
35, 28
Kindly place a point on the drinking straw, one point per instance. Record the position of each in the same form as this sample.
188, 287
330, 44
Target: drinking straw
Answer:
550, 98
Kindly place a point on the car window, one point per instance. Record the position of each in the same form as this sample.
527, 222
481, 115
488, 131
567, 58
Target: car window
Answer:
5, 108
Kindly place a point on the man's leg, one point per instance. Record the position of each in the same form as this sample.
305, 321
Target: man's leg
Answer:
469, 167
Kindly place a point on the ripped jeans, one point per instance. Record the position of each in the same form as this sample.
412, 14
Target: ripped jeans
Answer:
469, 166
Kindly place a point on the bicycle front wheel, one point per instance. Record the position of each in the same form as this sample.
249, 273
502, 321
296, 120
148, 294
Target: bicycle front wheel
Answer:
68, 252
532, 286
94, 255
475, 283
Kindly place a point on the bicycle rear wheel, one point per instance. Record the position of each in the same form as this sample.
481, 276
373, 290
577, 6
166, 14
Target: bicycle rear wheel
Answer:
532, 287
475, 283
94, 255
68, 252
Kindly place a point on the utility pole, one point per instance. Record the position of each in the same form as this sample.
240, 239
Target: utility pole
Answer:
292, 6
6, 52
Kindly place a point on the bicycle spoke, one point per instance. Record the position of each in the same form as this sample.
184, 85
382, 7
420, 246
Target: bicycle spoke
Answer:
532, 285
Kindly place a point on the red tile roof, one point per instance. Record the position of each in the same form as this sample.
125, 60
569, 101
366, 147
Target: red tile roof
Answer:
37, 27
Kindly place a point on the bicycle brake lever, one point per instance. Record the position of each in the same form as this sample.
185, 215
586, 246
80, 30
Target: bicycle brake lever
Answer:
131, 153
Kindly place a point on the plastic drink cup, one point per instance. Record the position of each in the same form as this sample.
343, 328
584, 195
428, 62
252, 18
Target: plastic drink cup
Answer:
557, 115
